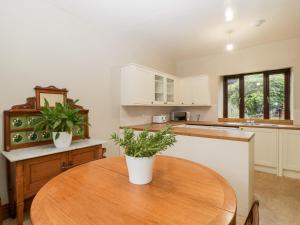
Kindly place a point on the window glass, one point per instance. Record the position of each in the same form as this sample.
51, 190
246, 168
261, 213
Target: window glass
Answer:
276, 96
233, 98
261, 95
254, 96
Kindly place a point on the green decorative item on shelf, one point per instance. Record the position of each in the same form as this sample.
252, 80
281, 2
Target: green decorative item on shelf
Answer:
61, 120
32, 136
31, 121
140, 150
17, 122
17, 138
45, 135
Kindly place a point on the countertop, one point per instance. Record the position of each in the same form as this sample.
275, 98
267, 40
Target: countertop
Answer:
230, 134
33, 152
237, 124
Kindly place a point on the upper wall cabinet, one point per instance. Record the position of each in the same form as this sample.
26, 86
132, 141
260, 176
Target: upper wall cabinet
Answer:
144, 86
165, 88
137, 86
194, 90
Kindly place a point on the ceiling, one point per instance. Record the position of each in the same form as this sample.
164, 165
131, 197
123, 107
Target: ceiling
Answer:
190, 28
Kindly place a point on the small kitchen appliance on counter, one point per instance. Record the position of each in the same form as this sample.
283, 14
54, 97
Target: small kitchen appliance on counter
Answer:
159, 119
180, 116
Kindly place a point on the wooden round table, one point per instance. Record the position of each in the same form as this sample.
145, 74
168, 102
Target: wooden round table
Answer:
99, 193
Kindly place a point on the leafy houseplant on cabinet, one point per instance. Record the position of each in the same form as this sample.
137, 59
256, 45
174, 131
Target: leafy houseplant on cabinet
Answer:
61, 120
140, 151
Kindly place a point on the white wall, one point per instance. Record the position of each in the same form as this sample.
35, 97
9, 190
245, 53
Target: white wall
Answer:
274, 55
43, 45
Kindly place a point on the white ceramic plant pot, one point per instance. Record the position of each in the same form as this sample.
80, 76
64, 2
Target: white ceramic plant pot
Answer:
140, 169
64, 140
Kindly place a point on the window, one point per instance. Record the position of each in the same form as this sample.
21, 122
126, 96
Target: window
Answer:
261, 95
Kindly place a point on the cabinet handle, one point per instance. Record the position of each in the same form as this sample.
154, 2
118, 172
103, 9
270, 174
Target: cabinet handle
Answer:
165, 102
181, 103
151, 102
64, 166
192, 103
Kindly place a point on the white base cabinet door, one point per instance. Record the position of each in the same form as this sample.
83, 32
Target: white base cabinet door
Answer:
265, 150
290, 153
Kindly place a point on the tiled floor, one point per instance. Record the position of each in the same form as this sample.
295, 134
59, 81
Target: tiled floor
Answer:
279, 201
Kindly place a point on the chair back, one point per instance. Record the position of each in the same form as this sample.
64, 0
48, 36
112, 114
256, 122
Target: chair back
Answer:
253, 216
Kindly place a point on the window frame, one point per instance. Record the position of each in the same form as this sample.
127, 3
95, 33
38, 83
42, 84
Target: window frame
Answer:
266, 78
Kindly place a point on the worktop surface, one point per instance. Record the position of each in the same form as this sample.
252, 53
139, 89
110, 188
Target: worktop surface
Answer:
227, 134
240, 124
33, 152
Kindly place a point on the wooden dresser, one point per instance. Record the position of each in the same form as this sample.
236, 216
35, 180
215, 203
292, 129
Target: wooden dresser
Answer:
30, 168
32, 159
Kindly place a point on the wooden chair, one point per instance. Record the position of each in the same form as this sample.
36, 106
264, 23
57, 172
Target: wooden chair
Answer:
253, 216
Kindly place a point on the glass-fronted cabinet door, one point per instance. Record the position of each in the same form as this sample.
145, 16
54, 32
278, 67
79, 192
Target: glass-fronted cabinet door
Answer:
159, 89
170, 90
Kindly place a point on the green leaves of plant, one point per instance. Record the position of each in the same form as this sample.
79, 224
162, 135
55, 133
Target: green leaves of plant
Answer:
56, 124
61, 118
145, 144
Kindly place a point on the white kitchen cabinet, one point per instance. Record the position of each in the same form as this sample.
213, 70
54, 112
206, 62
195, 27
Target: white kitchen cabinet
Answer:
266, 149
289, 145
200, 90
145, 86
159, 89
185, 93
170, 90
194, 90
137, 86
165, 89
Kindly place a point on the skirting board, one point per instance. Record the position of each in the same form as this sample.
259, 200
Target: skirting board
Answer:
265, 169
285, 173
4, 214
291, 174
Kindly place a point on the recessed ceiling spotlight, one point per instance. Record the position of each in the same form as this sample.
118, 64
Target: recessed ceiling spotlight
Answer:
258, 23
229, 15
229, 46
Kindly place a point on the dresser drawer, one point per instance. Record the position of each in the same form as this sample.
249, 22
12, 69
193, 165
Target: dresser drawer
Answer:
84, 155
39, 171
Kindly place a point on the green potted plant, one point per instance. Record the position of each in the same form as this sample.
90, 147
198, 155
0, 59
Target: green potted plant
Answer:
61, 120
140, 150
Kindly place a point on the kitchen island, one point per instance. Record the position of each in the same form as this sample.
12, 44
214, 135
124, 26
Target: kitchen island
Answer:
229, 151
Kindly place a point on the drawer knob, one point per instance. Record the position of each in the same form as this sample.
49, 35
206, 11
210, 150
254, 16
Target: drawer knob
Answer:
64, 166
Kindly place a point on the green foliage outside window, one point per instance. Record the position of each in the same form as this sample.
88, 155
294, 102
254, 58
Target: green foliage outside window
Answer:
254, 97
